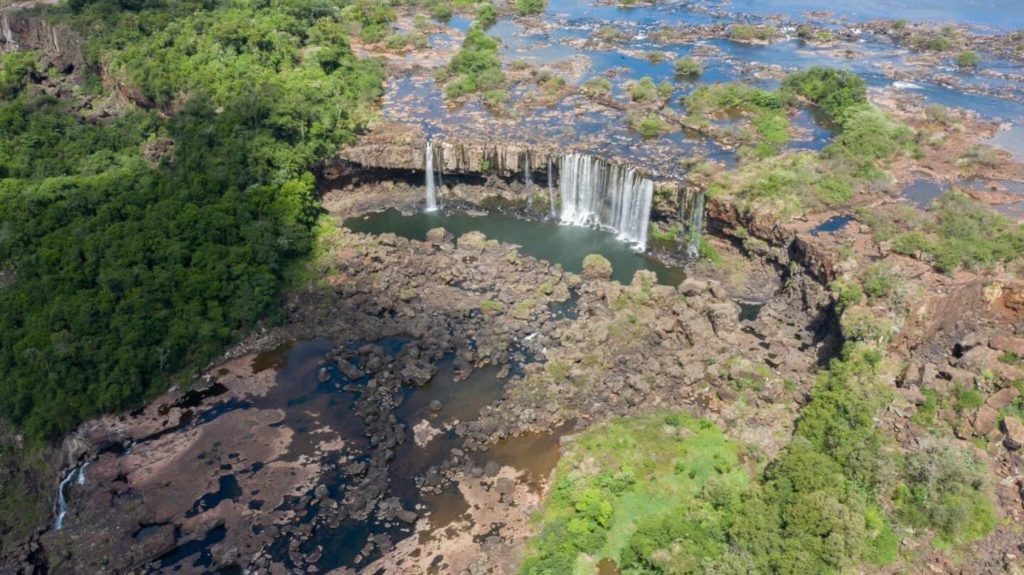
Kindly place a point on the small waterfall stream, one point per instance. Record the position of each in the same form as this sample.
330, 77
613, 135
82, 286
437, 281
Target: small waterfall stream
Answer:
76, 475
528, 179
431, 186
598, 193
8, 35
691, 216
551, 190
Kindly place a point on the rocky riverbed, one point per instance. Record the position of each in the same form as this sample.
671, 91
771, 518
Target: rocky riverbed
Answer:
348, 436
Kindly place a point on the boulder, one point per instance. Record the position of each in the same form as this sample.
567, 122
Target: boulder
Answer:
985, 421
1014, 433
1002, 398
472, 241
437, 236
912, 395
1007, 343
597, 267
724, 317
691, 287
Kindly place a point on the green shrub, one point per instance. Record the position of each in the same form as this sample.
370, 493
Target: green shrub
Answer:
834, 91
848, 293
643, 90
773, 129
962, 234
946, 489
16, 68
486, 15
869, 135
492, 307
648, 125
710, 99
965, 399
596, 87
748, 33
968, 59
441, 11
528, 7
707, 251
374, 18
597, 266
688, 67
610, 34
861, 324
476, 67
881, 282
496, 98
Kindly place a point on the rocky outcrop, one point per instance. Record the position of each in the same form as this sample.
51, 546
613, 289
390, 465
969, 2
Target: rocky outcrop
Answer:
460, 157
25, 26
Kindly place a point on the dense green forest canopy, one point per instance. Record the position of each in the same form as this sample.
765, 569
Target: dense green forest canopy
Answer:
122, 268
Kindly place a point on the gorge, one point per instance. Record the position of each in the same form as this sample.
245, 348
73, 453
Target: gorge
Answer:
514, 287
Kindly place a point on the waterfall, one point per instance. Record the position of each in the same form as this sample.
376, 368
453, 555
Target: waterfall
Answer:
431, 188
691, 216
8, 35
598, 193
528, 179
551, 190
77, 474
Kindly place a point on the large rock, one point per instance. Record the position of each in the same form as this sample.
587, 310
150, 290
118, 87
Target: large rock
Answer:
597, 267
1002, 398
437, 236
1014, 433
473, 241
1007, 343
985, 420
691, 287
724, 317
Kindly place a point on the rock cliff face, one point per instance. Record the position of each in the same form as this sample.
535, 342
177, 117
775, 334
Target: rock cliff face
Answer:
25, 27
403, 147
505, 159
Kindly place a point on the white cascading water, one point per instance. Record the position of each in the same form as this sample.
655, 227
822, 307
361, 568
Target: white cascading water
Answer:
77, 475
8, 35
551, 190
598, 193
692, 219
528, 179
431, 187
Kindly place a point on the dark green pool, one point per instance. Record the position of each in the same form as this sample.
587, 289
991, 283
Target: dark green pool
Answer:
565, 245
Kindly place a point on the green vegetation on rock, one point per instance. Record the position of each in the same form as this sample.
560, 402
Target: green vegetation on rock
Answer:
596, 87
688, 67
834, 91
476, 67
968, 59
796, 182
665, 493
529, 7
956, 232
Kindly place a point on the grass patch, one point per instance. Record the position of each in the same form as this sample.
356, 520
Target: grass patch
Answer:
632, 487
956, 233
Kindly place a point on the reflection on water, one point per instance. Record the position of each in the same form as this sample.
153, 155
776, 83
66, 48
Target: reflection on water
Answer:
534, 454
923, 192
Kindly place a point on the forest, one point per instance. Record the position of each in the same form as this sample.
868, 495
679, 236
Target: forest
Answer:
133, 249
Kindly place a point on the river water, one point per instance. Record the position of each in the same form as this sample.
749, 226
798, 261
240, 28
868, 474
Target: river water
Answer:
561, 244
